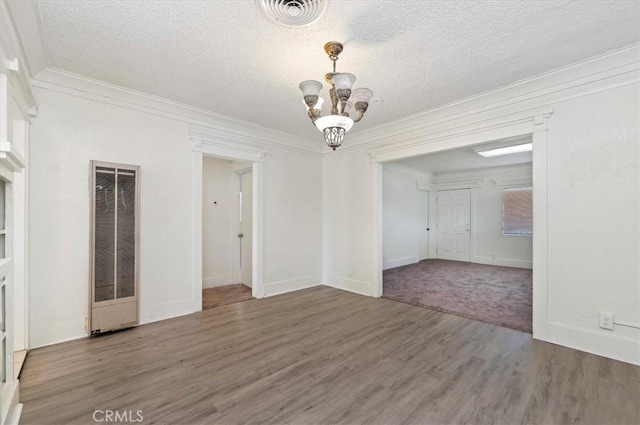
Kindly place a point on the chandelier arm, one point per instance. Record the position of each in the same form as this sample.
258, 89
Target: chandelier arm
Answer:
334, 101
314, 114
359, 117
361, 108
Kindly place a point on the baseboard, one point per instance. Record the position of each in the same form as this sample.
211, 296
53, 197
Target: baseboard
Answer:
215, 281
14, 415
289, 285
165, 311
606, 345
504, 262
56, 333
10, 408
351, 285
399, 262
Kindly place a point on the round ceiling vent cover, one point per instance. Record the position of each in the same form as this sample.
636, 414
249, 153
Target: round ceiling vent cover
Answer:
293, 13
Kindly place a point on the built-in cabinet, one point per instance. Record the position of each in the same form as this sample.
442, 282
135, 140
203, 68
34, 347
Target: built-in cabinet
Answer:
17, 107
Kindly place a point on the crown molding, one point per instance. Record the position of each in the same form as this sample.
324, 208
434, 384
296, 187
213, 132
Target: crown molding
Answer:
501, 173
614, 69
14, 63
28, 27
208, 122
491, 127
519, 174
410, 171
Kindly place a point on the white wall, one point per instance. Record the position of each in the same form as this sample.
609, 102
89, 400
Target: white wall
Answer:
488, 244
217, 222
400, 215
593, 194
75, 126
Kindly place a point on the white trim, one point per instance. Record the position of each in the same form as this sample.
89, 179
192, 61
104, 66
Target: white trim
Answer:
409, 171
289, 285
503, 262
377, 173
602, 343
399, 262
14, 63
218, 149
613, 69
10, 158
202, 122
351, 285
215, 281
540, 238
463, 134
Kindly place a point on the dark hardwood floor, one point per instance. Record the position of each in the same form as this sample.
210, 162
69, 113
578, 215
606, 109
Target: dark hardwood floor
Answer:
324, 356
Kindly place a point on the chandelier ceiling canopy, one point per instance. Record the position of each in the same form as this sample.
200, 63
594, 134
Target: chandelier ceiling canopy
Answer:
343, 100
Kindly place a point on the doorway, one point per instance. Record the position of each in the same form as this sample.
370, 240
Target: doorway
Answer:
226, 232
423, 224
245, 227
481, 266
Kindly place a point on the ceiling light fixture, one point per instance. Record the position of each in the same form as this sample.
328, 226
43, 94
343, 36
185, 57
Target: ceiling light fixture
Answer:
335, 126
527, 147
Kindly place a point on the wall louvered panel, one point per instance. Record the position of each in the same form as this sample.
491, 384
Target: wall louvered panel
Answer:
126, 234
105, 219
114, 302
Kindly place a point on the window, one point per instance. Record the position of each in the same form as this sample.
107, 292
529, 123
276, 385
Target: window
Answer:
517, 211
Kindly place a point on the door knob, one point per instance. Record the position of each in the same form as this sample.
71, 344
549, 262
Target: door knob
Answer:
428, 229
240, 235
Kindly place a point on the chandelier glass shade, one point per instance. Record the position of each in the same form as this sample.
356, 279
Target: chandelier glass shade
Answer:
343, 100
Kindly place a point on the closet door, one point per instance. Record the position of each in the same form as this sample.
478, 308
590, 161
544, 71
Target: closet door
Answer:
114, 256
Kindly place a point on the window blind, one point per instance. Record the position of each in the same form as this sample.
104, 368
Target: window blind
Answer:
517, 211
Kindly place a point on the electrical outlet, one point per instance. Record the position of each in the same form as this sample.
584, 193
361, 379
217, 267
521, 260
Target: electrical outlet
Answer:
86, 323
606, 320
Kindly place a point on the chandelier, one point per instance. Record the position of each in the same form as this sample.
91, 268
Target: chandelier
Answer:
335, 126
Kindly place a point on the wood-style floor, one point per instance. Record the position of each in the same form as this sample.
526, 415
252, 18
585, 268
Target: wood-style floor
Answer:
323, 356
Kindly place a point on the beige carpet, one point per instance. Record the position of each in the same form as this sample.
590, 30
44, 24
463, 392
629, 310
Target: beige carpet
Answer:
223, 295
498, 295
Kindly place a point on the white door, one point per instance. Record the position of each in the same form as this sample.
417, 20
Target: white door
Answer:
423, 225
245, 235
454, 224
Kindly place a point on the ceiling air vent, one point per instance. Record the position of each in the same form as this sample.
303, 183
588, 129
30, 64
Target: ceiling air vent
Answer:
293, 13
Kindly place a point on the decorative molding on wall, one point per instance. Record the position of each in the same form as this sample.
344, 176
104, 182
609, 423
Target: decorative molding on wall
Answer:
214, 125
508, 175
399, 262
404, 169
25, 15
617, 68
223, 148
289, 285
237, 140
465, 133
14, 64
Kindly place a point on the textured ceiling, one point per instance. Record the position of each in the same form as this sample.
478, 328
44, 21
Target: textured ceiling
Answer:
466, 159
226, 57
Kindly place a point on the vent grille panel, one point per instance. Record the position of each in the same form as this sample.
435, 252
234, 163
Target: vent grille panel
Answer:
293, 13
105, 215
